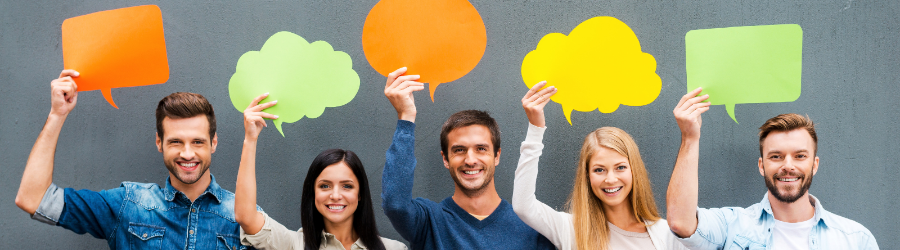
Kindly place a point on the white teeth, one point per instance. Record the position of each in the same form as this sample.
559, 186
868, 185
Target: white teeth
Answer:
336, 207
471, 172
785, 179
612, 190
188, 165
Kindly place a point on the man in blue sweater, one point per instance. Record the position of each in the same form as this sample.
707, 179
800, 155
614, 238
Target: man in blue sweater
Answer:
475, 217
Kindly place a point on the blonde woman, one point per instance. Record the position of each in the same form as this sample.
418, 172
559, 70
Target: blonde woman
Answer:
611, 205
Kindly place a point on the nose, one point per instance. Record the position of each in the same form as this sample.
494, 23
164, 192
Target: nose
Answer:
471, 158
187, 154
789, 163
336, 194
611, 177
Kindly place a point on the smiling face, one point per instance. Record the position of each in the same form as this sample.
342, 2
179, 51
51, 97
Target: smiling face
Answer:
788, 164
610, 176
470, 158
337, 194
187, 149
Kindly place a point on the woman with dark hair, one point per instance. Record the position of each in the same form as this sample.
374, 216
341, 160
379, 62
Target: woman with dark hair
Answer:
336, 206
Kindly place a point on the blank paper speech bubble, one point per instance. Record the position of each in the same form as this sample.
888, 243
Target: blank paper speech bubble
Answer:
304, 77
441, 40
116, 48
598, 66
752, 64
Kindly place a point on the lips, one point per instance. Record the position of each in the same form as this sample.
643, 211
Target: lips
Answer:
788, 179
471, 173
612, 190
336, 207
188, 166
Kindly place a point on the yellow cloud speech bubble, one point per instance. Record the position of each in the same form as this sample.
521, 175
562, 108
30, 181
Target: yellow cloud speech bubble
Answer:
598, 66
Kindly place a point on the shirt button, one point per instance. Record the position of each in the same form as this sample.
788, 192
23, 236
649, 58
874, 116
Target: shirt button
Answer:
193, 211
192, 231
145, 235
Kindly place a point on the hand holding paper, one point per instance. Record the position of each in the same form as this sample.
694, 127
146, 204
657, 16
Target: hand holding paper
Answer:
63, 93
534, 101
253, 117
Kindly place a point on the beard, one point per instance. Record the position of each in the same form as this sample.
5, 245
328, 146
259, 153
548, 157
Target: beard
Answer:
184, 178
475, 190
786, 196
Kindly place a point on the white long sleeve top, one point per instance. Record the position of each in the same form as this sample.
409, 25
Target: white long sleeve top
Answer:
555, 225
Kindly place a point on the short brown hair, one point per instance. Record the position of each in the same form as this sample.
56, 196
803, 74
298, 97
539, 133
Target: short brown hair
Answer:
788, 122
184, 105
467, 118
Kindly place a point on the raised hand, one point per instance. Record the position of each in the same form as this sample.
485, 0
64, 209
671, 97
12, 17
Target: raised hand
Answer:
63, 93
534, 102
253, 117
398, 90
688, 112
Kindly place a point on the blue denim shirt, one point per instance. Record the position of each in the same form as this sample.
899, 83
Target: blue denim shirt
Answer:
751, 228
146, 216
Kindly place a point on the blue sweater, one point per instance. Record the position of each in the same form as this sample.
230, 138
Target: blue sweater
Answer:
430, 225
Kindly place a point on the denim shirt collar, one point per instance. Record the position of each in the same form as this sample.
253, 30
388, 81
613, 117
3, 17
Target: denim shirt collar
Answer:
820, 215
214, 189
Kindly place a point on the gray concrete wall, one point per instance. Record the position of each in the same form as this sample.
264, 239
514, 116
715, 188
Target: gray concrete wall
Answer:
849, 88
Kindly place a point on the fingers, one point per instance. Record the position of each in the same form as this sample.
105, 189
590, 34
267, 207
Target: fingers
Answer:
393, 76
689, 95
545, 95
68, 72
410, 84
541, 96
690, 102
256, 100
696, 106
534, 89
401, 80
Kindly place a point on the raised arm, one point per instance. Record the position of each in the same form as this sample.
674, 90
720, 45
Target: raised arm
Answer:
38, 173
556, 226
681, 197
245, 212
400, 159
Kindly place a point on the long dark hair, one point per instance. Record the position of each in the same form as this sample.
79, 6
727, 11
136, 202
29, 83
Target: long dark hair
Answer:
363, 218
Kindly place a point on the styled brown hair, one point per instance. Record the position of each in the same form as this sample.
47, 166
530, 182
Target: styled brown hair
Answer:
466, 118
181, 105
591, 229
785, 123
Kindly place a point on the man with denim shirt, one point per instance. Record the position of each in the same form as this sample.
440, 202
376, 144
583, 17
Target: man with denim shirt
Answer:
788, 217
191, 212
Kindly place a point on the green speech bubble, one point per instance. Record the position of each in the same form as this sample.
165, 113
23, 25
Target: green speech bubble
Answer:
751, 64
304, 77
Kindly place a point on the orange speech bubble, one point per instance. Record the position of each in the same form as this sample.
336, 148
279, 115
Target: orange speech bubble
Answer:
116, 48
441, 40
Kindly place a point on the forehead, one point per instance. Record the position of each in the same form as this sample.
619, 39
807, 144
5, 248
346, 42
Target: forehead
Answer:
469, 136
193, 127
788, 141
337, 172
607, 156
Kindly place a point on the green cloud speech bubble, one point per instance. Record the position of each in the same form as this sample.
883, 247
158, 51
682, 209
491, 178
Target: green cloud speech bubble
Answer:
751, 64
304, 77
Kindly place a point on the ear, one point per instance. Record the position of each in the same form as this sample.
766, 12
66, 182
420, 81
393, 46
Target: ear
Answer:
815, 166
444, 158
761, 170
158, 143
497, 157
215, 141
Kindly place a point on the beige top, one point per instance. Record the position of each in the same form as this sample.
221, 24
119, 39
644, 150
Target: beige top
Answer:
273, 235
555, 225
621, 239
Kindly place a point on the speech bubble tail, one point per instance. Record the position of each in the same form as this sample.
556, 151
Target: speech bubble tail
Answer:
568, 113
278, 126
431, 88
730, 109
107, 93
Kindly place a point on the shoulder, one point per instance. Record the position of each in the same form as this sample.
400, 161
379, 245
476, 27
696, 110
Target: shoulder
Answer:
138, 192
390, 244
847, 226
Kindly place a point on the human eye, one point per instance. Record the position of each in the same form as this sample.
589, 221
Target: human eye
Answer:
348, 186
801, 156
621, 167
324, 186
774, 157
599, 170
458, 150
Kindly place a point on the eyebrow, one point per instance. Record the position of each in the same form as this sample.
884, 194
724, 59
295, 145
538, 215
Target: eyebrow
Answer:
617, 164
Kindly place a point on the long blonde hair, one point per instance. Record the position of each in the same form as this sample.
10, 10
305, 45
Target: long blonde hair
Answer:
591, 229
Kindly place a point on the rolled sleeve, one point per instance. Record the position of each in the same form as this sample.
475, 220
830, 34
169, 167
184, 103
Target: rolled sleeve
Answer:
273, 235
710, 232
51, 206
